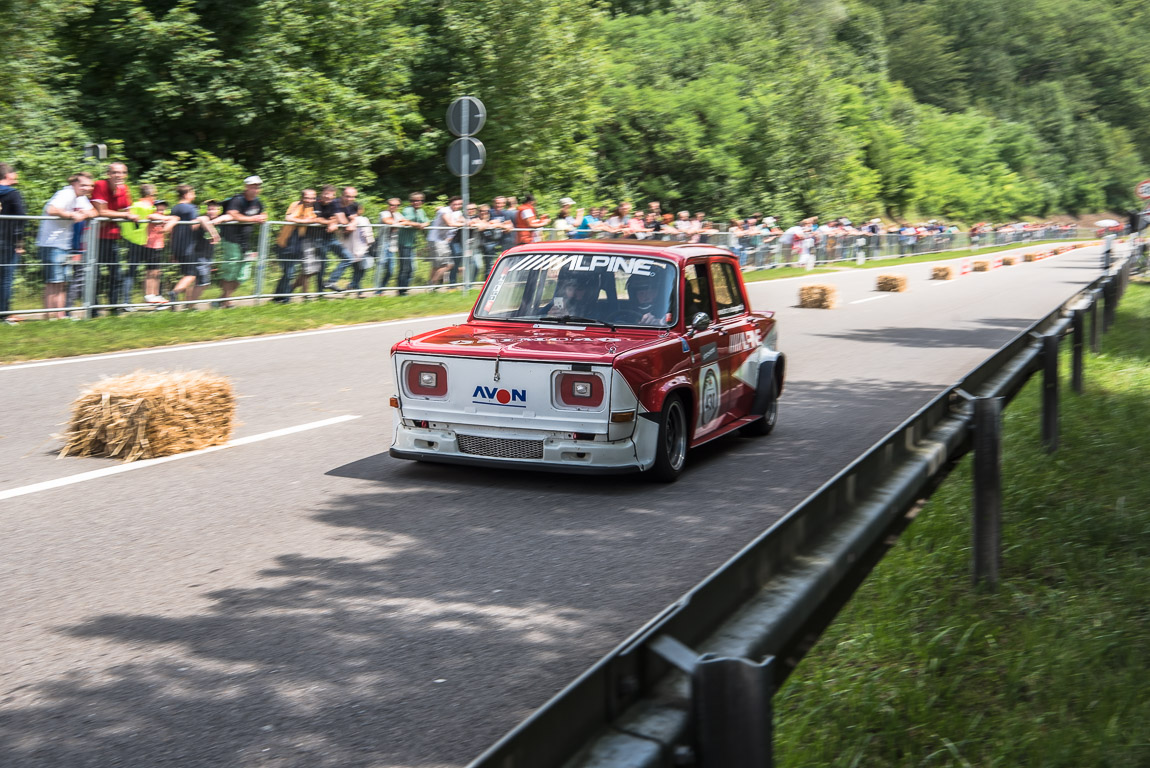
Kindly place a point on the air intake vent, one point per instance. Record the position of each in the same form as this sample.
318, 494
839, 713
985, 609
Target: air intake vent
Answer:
500, 448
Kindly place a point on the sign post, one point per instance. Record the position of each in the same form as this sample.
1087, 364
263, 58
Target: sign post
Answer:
1143, 189
465, 157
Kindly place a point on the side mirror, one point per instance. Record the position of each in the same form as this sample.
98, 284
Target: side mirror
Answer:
700, 322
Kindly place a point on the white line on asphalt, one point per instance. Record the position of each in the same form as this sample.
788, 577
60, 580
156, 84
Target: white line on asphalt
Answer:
937, 283
249, 340
872, 298
98, 473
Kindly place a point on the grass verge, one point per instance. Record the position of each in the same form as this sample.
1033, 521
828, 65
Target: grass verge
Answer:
41, 339
920, 669
945, 255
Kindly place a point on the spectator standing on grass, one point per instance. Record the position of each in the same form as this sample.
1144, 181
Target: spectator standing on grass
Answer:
11, 237
54, 240
589, 224
415, 219
245, 209
565, 220
512, 238
387, 244
345, 209
527, 221
333, 216
290, 243
195, 271
617, 224
490, 238
357, 241
440, 235
140, 237
112, 200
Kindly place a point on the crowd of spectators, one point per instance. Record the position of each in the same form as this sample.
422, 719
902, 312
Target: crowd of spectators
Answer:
331, 228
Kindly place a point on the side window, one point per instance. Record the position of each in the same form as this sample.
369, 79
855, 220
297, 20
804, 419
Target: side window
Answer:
696, 292
728, 294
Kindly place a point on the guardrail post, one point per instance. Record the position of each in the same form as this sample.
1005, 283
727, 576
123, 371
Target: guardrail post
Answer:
732, 709
1076, 323
262, 256
1109, 299
1095, 331
91, 267
1050, 343
987, 490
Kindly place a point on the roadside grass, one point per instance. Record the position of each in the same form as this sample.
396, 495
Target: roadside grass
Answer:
946, 255
781, 272
41, 339
921, 669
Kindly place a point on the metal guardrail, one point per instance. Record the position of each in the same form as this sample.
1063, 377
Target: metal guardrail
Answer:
693, 687
97, 272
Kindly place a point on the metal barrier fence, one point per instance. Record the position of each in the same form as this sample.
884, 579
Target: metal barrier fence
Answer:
281, 261
694, 687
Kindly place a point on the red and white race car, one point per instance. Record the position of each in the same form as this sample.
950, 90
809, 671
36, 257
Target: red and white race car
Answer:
592, 356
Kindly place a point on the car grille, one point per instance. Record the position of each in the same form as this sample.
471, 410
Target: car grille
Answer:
500, 448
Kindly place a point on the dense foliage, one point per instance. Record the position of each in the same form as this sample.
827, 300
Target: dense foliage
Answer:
966, 109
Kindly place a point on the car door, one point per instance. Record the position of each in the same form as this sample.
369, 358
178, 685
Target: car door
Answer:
738, 336
704, 348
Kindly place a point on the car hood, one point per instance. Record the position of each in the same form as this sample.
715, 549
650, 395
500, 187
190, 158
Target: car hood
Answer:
543, 342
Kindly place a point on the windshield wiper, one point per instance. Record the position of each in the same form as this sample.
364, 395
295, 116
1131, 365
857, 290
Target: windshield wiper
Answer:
565, 319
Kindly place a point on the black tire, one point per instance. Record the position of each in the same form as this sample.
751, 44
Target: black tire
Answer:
674, 433
770, 410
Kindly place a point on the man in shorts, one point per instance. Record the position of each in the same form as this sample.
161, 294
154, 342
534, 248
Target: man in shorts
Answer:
193, 229
247, 209
54, 240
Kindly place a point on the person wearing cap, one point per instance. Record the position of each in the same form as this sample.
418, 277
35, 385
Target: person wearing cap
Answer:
565, 223
245, 209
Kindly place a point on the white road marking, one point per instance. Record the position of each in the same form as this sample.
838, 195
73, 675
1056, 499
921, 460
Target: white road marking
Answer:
106, 471
937, 283
248, 340
872, 298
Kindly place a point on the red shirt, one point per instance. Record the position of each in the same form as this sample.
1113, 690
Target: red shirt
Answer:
525, 214
119, 199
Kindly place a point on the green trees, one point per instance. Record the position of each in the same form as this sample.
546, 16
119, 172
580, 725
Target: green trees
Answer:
969, 109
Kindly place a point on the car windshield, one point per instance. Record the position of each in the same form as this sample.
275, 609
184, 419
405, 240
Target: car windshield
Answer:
584, 288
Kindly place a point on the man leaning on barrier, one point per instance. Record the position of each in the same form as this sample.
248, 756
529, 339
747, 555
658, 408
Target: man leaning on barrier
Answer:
71, 205
11, 237
415, 219
290, 244
247, 209
112, 199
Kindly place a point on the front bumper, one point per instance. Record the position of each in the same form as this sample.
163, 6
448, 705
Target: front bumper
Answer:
548, 452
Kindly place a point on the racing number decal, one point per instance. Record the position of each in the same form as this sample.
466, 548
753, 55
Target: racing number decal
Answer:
709, 396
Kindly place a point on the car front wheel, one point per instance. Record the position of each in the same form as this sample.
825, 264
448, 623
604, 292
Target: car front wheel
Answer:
671, 452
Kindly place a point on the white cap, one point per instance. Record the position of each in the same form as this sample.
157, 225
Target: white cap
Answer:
566, 201
253, 180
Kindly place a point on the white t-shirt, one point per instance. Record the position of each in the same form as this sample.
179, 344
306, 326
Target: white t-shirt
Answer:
58, 233
792, 234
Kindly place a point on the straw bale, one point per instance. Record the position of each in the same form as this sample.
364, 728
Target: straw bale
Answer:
145, 414
981, 266
942, 273
818, 296
1031, 256
1009, 261
897, 283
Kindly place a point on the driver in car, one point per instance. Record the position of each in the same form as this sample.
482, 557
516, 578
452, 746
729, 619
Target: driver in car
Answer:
573, 298
640, 304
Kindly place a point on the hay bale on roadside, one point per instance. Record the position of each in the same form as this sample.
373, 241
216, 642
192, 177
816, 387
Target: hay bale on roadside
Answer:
896, 283
942, 273
981, 266
1031, 256
818, 296
144, 415
1009, 261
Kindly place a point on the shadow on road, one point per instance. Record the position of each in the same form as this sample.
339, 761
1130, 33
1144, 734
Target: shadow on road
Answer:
485, 592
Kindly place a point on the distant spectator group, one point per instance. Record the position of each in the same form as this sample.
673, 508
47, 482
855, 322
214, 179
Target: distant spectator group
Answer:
137, 237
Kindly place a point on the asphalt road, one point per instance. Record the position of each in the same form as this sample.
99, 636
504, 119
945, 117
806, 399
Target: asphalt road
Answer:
306, 601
